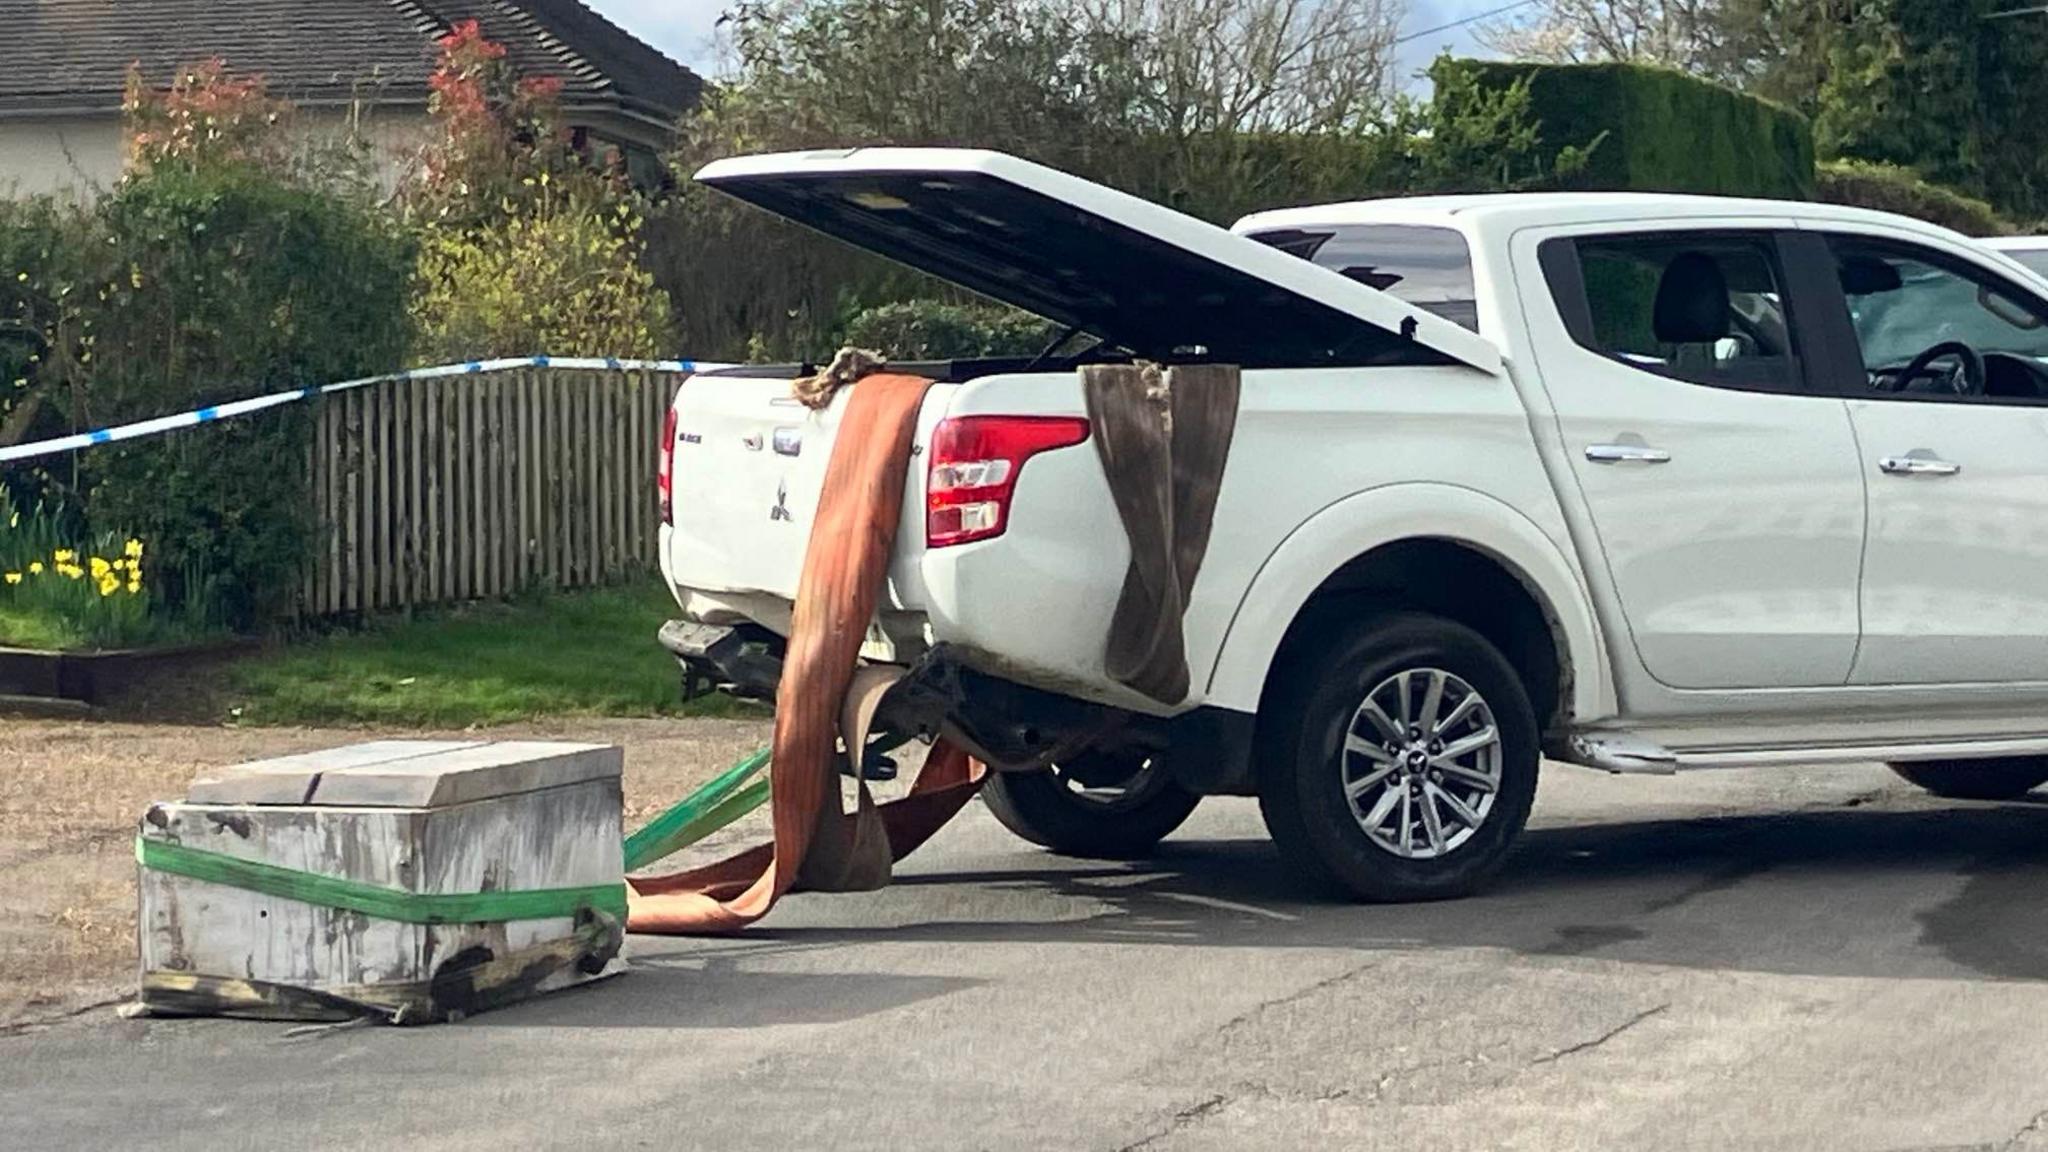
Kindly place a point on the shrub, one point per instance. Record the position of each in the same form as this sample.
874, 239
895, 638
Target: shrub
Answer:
1889, 188
217, 268
526, 246
936, 330
224, 282
1659, 130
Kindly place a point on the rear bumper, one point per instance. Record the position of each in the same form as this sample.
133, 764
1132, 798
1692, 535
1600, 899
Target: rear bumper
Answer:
1010, 726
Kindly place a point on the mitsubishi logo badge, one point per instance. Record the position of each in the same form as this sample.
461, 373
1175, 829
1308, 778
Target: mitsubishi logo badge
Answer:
781, 509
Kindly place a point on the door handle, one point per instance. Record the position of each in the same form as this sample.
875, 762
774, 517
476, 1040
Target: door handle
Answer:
1917, 466
1626, 454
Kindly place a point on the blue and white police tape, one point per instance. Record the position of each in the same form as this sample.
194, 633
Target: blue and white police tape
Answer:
208, 415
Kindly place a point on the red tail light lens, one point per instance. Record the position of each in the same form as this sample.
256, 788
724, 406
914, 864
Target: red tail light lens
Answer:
665, 468
975, 461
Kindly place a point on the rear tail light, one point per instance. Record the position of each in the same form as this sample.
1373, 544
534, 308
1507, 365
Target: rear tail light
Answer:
665, 468
975, 461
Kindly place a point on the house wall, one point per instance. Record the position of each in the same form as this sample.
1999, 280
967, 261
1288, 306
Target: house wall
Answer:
82, 154
58, 153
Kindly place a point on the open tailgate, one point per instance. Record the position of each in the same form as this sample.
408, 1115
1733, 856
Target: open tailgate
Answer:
1159, 283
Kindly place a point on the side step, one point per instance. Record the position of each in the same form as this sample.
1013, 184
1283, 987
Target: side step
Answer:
1630, 753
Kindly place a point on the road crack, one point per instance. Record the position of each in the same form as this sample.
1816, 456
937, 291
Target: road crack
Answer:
1264, 1006
1604, 1037
2038, 1124
1186, 1117
39, 1023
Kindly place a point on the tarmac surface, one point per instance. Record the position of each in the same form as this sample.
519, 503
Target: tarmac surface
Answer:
1811, 959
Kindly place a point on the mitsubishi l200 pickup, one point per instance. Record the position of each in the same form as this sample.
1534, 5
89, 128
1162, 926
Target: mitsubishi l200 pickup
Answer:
1637, 482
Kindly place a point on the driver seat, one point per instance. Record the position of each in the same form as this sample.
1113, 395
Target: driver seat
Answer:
1692, 301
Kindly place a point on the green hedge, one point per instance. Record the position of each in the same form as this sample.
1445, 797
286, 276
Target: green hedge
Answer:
937, 330
1888, 188
1659, 130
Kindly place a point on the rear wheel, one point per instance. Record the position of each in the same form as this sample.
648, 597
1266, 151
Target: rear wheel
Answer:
1400, 760
2001, 779
1104, 805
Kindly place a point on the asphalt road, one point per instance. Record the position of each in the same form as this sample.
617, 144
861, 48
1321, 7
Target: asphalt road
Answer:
1806, 960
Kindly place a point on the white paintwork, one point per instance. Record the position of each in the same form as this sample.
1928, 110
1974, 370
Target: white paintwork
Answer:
526, 816
1389, 513
1955, 579
1711, 606
1722, 581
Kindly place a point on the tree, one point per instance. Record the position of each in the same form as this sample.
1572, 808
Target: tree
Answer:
526, 246
1685, 34
1778, 49
1178, 102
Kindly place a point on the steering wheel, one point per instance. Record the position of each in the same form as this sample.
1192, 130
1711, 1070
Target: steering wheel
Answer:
1967, 382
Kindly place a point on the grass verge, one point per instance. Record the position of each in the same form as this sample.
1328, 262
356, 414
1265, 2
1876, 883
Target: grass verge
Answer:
563, 654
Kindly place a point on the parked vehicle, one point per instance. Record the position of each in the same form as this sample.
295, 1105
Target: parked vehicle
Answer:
1638, 482
2030, 251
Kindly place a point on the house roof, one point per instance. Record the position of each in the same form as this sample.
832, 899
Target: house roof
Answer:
73, 55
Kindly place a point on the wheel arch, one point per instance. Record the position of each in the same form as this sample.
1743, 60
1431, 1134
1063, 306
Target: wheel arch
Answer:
1437, 547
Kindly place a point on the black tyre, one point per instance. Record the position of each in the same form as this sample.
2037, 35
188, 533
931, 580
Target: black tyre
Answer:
2003, 779
1112, 807
1399, 759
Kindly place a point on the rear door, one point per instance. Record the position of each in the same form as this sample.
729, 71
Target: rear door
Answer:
1723, 485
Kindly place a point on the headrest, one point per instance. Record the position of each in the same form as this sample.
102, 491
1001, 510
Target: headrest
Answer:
1692, 301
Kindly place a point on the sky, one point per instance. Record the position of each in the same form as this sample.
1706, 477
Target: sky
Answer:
683, 28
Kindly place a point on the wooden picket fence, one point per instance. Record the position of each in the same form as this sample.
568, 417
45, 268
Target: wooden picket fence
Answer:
467, 487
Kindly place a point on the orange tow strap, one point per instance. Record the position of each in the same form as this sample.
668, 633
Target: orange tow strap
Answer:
845, 564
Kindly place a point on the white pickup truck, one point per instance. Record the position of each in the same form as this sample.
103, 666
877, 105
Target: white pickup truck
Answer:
1639, 482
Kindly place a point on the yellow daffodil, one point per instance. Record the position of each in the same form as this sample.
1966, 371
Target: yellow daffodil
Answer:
71, 571
35, 568
64, 556
14, 577
109, 585
133, 550
134, 587
100, 568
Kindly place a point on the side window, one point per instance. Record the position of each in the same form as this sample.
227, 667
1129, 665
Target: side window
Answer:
1426, 266
1930, 326
1705, 308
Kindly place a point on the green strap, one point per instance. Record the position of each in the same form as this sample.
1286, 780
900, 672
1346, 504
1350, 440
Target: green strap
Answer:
642, 852
372, 900
672, 830
716, 805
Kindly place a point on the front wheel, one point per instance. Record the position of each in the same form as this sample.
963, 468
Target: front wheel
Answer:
1101, 805
1400, 760
1999, 779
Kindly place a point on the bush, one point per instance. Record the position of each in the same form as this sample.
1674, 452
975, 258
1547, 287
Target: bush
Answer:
936, 330
1659, 130
1889, 188
223, 282
526, 246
